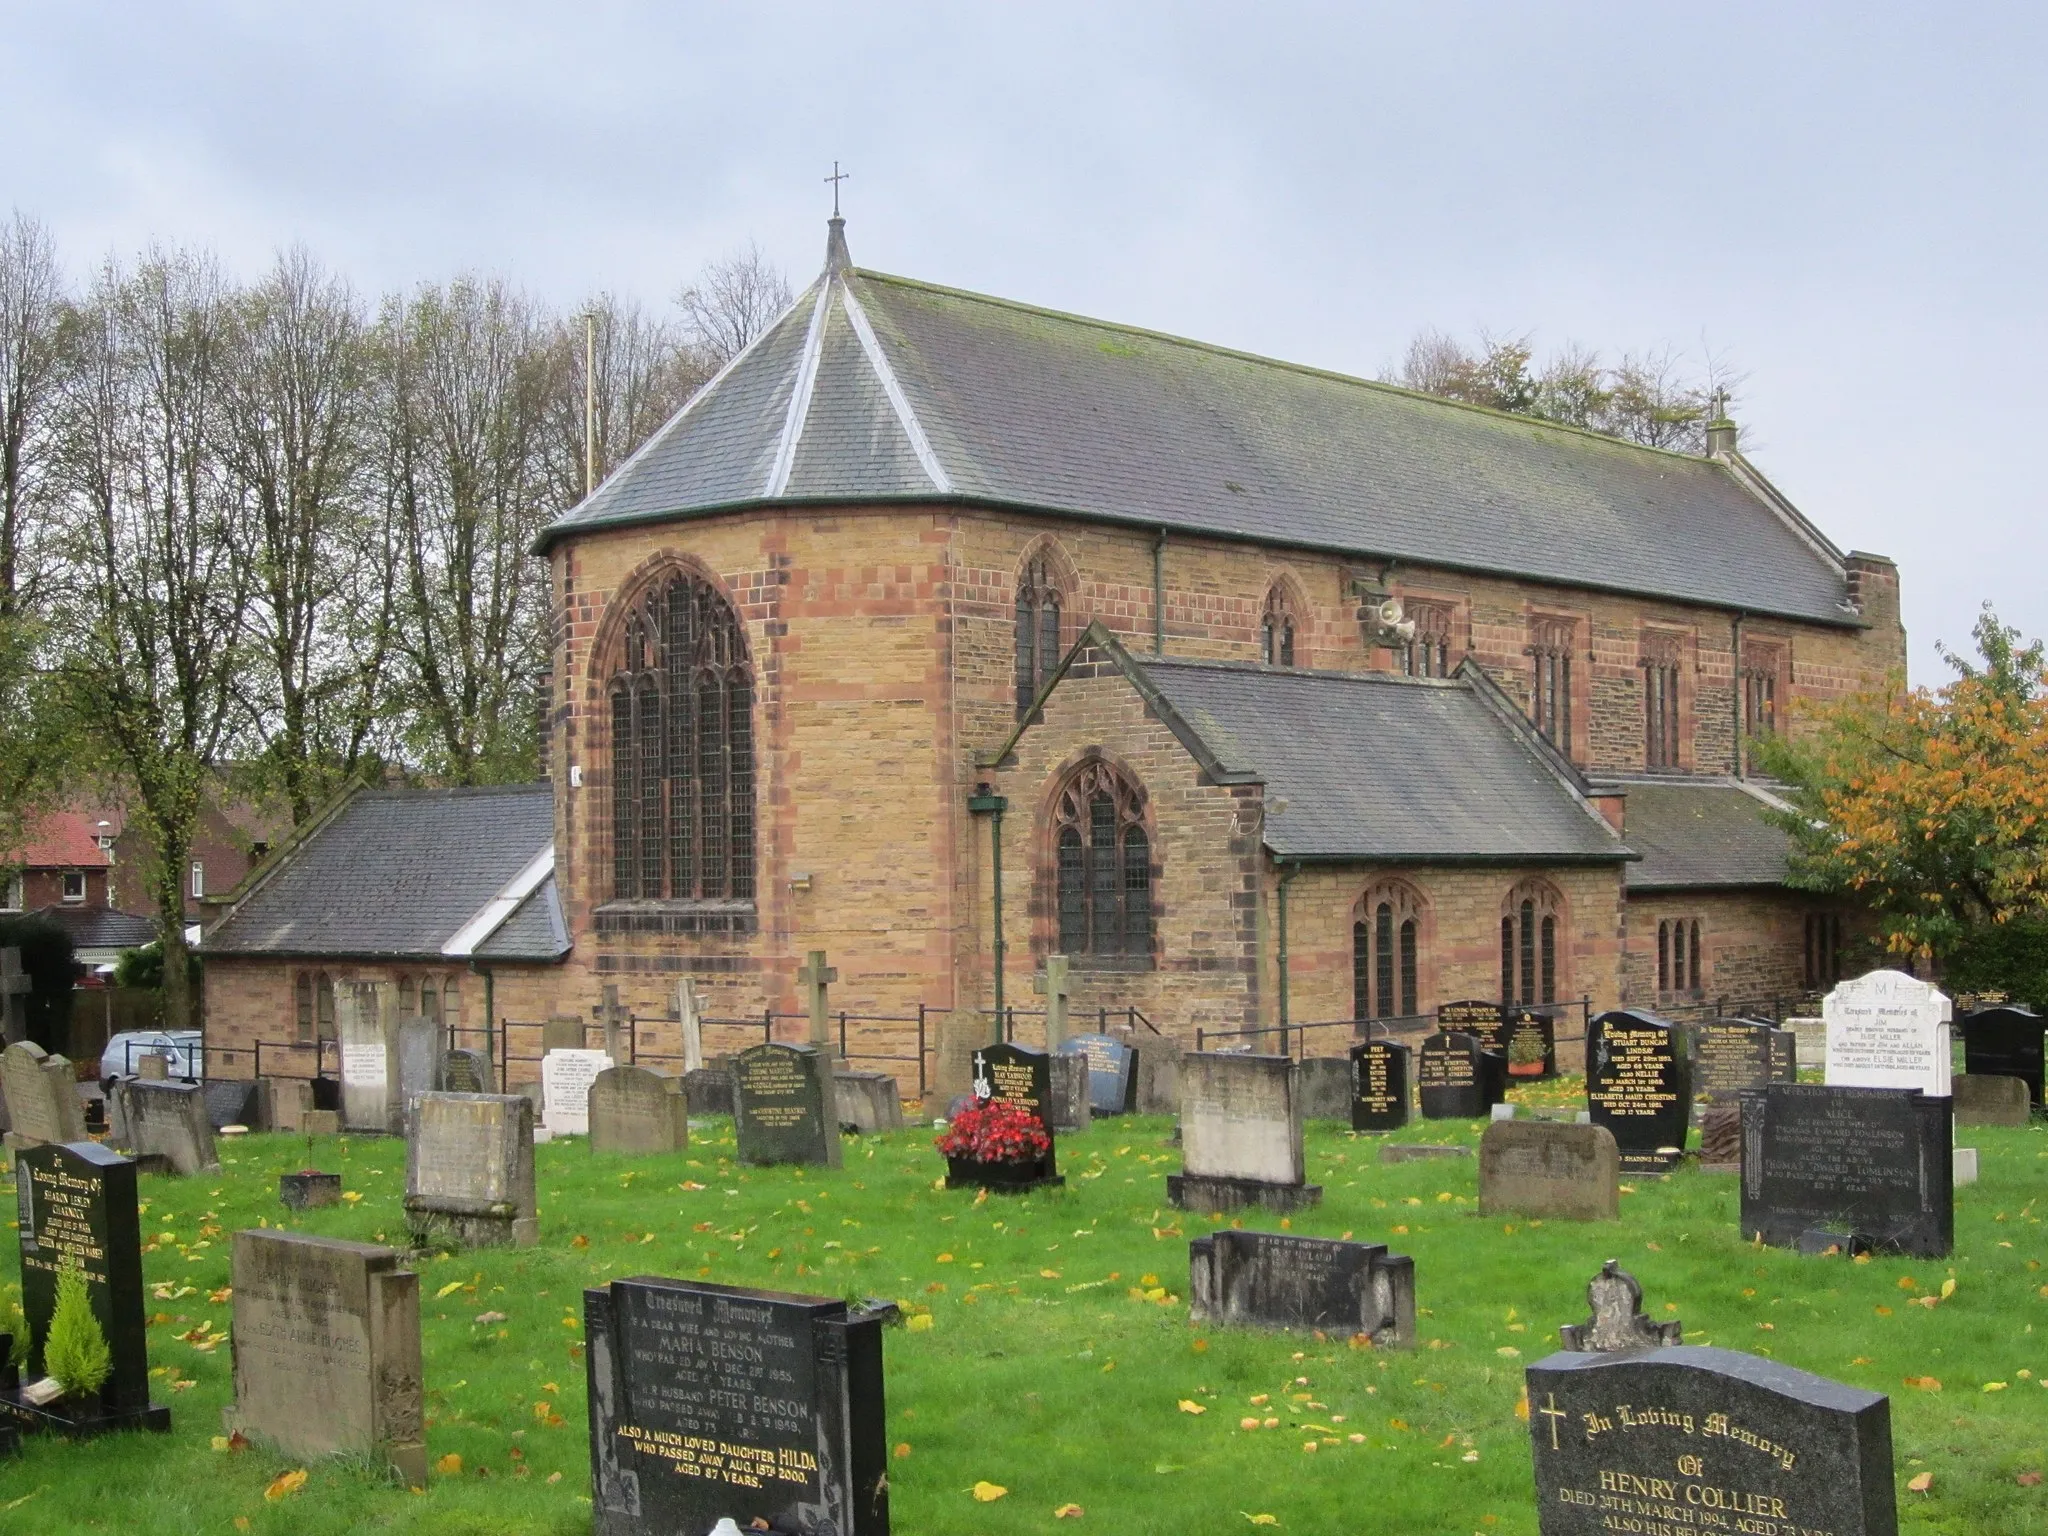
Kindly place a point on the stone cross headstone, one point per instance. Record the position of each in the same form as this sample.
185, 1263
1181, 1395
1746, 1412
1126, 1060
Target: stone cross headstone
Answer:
1379, 1086
469, 1169
1112, 1071
637, 1113
1695, 1438
613, 1020
785, 1106
715, 1403
565, 1079
1730, 1055
420, 1044
464, 1071
327, 1350
15, 986
1852, 1168
2006, 1041
168, 1121
76, 1205
817, 978
690, 1013
1240, 1127
1984, 1099
1457, 1078
1542, 1169
1639, 1085
369, 1101
1888, 1030
1054, 985
42, 1097
1249, 1279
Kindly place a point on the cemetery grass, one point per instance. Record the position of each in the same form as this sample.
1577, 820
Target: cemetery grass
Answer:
1049, 1352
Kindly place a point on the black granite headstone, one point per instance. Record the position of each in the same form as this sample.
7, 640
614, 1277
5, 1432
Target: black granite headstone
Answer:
1784, 1056
1866, 1168
1251, 1279
714, 1401
1730, 1055
1014, 1074
1693, 1438
1457, 1078
1112, 1072
1379, 1086
2006, 1042
1526, 1032
1639, 1085
327, 1093
76, 1204
780, 1099
466, 1071
230, 1101
1485, 1022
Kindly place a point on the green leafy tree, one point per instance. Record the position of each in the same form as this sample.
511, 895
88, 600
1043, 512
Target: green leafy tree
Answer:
76, 1352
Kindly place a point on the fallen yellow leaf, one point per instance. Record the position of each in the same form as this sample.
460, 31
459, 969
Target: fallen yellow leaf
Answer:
1948, 1287
285, 1484
448, 1290
449, 1465
1187, 1406
919, 1322
1994, 1386
988, 1493
1922, 1483
902, 1450
1068, 1512
1260, 1519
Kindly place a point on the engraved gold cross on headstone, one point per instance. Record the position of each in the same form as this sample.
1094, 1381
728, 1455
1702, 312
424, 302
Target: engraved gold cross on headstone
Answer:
1553, 1413
1051, 984
817, 978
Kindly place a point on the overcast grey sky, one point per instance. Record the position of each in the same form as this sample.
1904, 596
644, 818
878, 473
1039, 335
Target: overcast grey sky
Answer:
1846, 200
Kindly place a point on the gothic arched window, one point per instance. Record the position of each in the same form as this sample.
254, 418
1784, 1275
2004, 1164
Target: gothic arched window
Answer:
682, 716
1038, 632
1276, 630
1663, 653
1530, 969
1550, 693
1103, 865
1386, 955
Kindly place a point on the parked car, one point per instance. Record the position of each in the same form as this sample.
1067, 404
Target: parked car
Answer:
181, 1045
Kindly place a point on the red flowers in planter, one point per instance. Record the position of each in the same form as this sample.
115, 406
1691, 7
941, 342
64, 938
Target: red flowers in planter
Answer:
993, 1131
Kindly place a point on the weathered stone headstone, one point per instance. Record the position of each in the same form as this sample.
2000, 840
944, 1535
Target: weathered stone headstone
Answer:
153, 1067
637, 1113
464, 1071
1855, 1168
1246, 1279
709, 1090
284, 1103
362, 1011
1457, 1078
232, 1101
785, 1107
1616, 1321
868, 1101
1550, 1171
1055, 986
168, 1121
1157, 1071
327, 1350
714, 1402
1240, 1129
690, 1019
321, 1122
2006, 1041
1483, 1021
565, 1079
1379, 1086
563, 1032
1888, 1030
75, 1205
308, 1190
1692, 1438
1068, 1112
1982, 1099
1730, 1055
469, 1169
1112, 1079
961, 1033
1639, 1085
1324, 1084
1721, 1138
419, 1056
42, 1097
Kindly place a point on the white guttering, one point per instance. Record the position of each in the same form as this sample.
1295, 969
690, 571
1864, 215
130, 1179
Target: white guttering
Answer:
912, 427
799, 397
491, 916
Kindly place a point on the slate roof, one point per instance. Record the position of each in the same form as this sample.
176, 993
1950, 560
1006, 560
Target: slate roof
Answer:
399, 873
956, 396
96, 927
1700, 834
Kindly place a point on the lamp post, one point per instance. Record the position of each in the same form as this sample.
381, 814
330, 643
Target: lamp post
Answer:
986, 802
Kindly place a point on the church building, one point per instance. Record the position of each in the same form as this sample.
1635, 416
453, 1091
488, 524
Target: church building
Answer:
942, 633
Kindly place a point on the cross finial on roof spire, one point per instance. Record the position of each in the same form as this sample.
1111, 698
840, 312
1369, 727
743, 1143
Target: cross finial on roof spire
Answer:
837, 258
835, 178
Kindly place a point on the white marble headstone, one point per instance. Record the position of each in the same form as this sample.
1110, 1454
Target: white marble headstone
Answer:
565, 1079
1888, 1030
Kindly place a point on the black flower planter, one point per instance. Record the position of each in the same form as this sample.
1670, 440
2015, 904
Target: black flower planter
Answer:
1002, 1178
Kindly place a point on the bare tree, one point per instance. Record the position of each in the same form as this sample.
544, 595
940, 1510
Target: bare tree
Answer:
733, 300
149, 631
296, 416
31, 313
643, 371
466, 369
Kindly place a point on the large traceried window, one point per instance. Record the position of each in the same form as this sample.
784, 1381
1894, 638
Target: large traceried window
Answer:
1386, 945
1530, 966
682, 716
1429, 653
1661, 654
1103, 862
1550, 694
1276, 629
1038, 632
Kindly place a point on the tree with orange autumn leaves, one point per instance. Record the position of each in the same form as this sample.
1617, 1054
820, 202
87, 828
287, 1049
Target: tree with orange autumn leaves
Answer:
1931, 808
